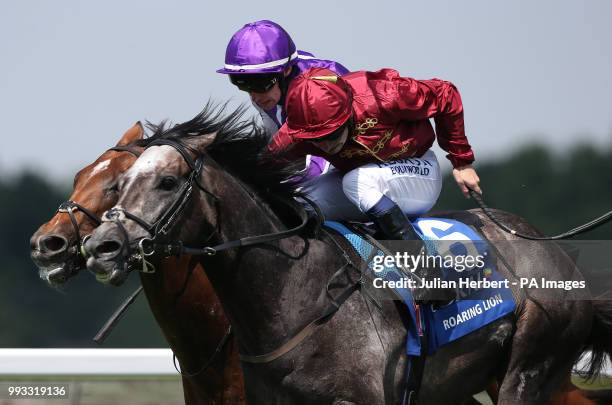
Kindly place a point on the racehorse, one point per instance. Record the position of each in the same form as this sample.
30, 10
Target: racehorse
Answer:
189, 313
55, 246
203, 189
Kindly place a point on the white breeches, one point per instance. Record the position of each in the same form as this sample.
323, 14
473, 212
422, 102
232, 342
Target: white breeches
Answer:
414, 184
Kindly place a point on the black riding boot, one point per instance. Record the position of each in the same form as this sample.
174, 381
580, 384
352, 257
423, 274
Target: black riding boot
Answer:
394, 224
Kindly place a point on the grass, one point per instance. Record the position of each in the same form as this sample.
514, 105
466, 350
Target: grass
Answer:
600, 383
105, 390
153, 390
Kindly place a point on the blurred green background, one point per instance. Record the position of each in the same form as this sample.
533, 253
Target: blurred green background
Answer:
553, 191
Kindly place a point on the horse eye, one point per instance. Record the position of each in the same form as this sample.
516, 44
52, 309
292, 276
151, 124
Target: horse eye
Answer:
167, 183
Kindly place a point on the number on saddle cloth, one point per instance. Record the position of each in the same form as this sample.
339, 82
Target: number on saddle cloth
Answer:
457, 243
453, 241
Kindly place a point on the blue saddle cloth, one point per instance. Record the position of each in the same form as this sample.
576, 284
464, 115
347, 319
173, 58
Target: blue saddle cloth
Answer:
477, 307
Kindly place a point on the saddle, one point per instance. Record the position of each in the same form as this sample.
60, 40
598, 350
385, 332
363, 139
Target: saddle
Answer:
432, 323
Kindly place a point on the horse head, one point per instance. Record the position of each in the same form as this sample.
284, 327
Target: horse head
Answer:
168, 195
56, 246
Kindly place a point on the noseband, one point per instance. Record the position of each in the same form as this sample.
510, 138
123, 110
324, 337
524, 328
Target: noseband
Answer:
70, 207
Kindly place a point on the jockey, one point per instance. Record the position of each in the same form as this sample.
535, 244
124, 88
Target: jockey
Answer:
262, 60
374, 128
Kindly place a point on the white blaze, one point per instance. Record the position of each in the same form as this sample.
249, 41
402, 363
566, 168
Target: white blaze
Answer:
100, 167
151, 160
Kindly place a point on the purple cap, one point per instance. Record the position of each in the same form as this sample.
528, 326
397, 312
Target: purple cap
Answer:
259, 47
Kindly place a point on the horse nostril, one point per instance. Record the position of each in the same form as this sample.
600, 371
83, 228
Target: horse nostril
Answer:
53, 244
108, 246
34, 243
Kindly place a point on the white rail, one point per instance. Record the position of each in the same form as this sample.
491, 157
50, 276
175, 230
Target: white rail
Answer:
86, 362
97, 362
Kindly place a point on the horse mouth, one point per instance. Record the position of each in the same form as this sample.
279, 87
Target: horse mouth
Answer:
103, 277
56, 275
107, 272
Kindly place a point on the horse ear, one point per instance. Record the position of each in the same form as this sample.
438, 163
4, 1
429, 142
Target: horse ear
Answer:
200, 142
131, 135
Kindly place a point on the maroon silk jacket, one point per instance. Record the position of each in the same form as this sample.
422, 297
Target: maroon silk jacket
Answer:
391, 116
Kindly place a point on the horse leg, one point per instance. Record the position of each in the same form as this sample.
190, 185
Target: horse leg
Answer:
190, 393
546, 343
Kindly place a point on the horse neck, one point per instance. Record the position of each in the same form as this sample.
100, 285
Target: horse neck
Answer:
187, 310
255, 283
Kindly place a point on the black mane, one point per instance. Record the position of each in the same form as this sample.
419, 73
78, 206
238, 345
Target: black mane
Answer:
239, 147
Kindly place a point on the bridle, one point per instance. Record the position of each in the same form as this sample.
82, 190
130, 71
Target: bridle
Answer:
159, 230
70, 207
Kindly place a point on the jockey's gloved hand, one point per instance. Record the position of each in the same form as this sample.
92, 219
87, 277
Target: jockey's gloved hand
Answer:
467, 178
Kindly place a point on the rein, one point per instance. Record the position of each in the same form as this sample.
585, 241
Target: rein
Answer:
165, 223
224, 340
328, 312
605, 218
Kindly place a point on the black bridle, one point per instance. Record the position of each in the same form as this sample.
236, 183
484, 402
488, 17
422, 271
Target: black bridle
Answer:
160, 229
70, 207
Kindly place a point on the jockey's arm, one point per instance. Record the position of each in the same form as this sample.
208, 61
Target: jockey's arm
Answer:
440, 100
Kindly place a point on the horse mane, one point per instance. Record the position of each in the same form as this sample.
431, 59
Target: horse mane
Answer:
239, 147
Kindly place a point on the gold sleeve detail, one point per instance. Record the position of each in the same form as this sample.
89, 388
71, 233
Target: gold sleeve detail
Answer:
349, 153
380, 145
364, 126
382, 141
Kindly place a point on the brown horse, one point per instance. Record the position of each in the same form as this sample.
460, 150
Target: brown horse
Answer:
188, 313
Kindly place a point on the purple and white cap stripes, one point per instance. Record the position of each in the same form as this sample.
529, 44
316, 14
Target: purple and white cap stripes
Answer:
259, 47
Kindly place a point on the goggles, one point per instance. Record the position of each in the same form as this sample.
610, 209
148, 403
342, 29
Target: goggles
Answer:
254, 83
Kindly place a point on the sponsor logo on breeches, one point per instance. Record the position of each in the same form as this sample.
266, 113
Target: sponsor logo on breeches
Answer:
405, 169
419, 167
